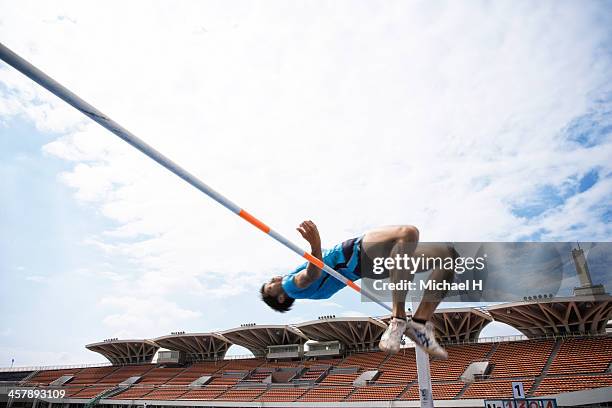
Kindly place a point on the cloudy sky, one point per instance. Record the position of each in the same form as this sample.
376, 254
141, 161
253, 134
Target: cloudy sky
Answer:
474, 121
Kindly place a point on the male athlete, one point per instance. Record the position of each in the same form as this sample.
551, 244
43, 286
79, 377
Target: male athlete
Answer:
309, 282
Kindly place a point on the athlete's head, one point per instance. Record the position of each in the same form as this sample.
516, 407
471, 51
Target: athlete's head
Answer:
273, 295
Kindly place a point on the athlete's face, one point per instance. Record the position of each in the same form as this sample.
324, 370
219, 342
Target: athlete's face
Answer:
274, 286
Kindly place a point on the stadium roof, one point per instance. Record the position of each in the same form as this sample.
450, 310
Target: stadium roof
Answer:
353, 332
257, 338
557, 316
455, 325
545, 317
196, 346
461, 324
125, 351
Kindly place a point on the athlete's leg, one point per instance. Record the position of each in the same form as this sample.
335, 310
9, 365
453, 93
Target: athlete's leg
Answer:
432, 298
420, 329
400, 240
404, 241
394, 240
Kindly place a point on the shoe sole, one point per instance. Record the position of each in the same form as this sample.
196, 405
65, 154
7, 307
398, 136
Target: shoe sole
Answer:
428, 351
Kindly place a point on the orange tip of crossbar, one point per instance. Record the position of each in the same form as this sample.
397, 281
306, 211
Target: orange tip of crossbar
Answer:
313, 260
353, 285
251, 219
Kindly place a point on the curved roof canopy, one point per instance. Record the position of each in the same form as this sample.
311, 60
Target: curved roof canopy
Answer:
354, 332
125, 351
196, 346
257, 338
553, 317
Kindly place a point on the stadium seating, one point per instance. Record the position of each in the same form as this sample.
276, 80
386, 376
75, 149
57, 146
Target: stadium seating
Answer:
160, 375
258, 375
195, 371
554, 385
243, 364
203, 394
575, 364
167, 392
135, 392
72, 390
125, 372
494, 388
377, 393
520, 358
340, 377
459, 358
314, 373
326, 394
582, 356
282, 394
228, 378
242, 394
13, 376
440, 390
48, 376
90, 392
399, 368
92, 375
367, 361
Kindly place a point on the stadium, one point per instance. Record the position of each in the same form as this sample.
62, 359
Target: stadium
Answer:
563, 358
410, 131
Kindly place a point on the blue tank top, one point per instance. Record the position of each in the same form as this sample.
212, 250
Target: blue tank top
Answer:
343, 257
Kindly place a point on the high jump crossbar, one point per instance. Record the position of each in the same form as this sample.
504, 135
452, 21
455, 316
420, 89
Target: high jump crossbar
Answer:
36, 75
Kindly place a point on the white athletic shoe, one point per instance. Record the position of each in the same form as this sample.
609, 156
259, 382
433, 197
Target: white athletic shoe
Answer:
392, 337
424, 337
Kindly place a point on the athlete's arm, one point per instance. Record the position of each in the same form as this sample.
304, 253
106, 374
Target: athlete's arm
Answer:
309, 231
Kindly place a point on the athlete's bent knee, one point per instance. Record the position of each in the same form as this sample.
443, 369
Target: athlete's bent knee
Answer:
408, 233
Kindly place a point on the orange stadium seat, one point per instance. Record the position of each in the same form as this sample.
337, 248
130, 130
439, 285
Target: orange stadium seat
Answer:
367, 361
399, 368
228, 380
328, 394
282, 394
520, 358
72, 390
91, 391
377, 393
47, 376
313, 373
340, 379
584, 355
195, 371
459, 358
207, 393
160, 375
166, 392
91, 375
125, 372
242, 394
243, 364
440, 390
554, 385
134, 392
494, 388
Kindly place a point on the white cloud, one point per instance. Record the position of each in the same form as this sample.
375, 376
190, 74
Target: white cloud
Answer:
132, 317
37, 278
442, 115
6, 332
352, 313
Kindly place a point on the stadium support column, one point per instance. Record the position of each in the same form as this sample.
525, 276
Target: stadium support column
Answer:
423, 373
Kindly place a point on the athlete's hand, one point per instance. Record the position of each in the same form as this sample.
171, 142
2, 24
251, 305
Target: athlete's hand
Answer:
309, 231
